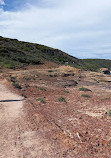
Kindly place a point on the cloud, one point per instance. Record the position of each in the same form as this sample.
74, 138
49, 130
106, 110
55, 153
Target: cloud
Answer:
2, 2
81, 28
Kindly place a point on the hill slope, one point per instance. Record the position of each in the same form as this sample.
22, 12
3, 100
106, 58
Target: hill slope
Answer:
16, 54
96, 64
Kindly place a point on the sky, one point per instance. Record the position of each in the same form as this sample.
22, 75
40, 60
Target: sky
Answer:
81, 28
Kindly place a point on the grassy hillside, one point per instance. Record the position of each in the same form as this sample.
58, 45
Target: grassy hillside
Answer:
16, 54
96, 64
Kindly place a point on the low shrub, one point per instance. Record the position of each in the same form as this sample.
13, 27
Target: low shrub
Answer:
84, 89
86, 95
40, 100
109, 113
12, 79
66, 91
50, 70
104, 99
42, 88
27, 78
61, 99
16, 85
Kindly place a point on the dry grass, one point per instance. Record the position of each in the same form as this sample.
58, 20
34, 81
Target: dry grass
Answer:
69, 69
103, 69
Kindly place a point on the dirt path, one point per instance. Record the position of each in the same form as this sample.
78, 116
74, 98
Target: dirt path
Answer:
10, 113
17, 140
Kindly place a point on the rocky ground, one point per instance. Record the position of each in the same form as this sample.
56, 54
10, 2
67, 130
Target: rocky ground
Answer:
55, 113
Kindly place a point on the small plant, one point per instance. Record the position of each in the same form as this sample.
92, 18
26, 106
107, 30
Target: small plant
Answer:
40, 100
105, 99
55, 75
27, 78
66, 91
61, 99
84, 89
50, 71
23, 95
86, 95
109, 113
16, 85
42, 89
13, 79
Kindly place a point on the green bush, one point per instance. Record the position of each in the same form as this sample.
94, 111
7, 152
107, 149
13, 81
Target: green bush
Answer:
42, 88
40, 100
105, 99
86, 95
109, 113
61, 99
27, 78
50, 70
12, 79
66, 91
16, 85
84, 89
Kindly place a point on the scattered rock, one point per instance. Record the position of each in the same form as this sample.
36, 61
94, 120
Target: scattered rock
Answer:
70, 83
67, 74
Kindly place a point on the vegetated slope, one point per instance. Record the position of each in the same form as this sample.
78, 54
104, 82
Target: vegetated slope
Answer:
96, 64
16, 54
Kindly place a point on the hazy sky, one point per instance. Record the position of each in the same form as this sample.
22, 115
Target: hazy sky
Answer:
81, 28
